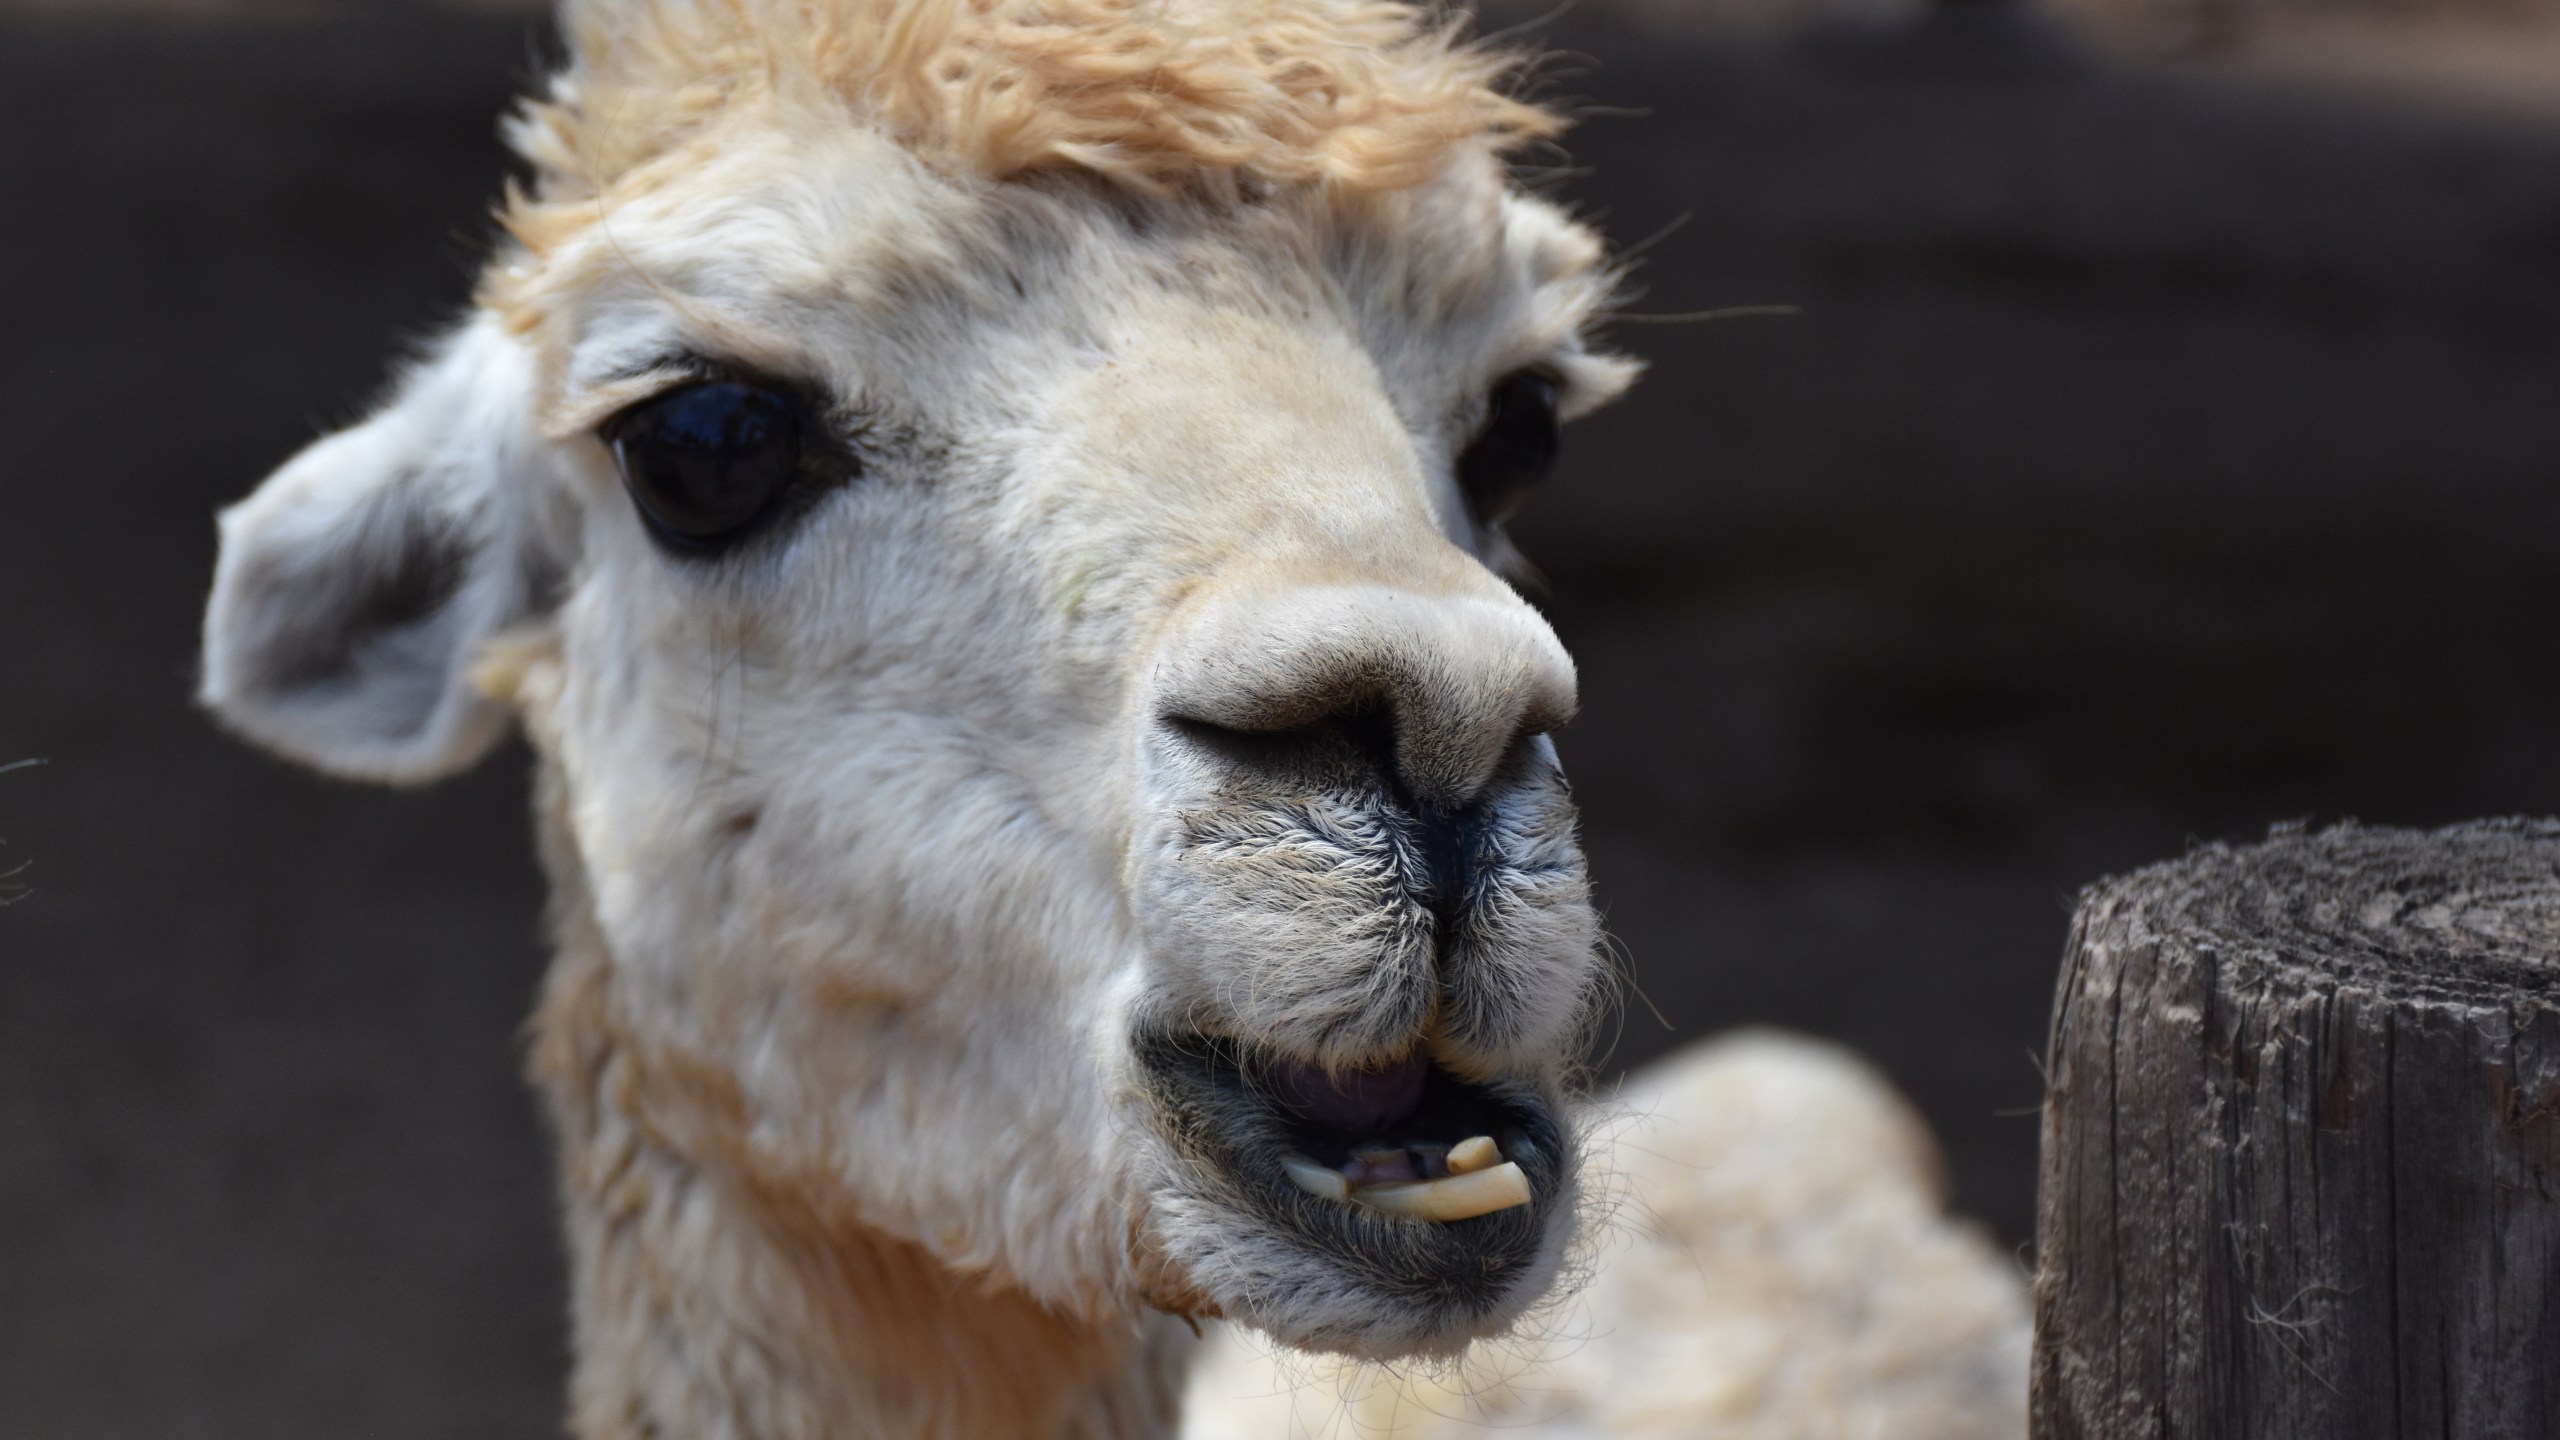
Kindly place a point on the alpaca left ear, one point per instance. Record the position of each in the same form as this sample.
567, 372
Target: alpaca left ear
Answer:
359, 582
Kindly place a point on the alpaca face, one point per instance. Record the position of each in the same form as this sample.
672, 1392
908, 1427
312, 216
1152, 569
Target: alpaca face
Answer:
1036, 720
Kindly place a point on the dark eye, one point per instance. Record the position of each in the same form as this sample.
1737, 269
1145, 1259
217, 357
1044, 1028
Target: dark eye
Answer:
1515, 449
706, 463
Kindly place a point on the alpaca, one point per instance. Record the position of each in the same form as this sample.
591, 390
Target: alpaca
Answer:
990, 514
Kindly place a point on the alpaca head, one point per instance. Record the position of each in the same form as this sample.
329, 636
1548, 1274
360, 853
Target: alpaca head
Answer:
991, 515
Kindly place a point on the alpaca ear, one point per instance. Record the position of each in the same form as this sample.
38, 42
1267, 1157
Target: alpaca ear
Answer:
356, 586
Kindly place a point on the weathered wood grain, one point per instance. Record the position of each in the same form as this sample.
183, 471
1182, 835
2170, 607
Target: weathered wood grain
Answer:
2302, 1144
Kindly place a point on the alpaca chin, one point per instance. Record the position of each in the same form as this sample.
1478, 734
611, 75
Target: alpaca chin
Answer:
1317, 909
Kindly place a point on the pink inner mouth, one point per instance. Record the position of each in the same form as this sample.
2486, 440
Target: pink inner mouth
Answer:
1354, 1102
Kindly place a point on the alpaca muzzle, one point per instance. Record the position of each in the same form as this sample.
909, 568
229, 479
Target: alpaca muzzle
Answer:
1298, 899
1371, 952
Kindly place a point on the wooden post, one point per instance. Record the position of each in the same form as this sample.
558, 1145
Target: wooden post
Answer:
2302, 1144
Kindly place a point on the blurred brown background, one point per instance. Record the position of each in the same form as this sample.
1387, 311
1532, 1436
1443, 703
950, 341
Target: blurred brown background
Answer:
2167, 446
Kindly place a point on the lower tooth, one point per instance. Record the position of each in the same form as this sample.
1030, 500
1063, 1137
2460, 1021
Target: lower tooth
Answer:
1479, 1183
1460, 1197
1322, 1181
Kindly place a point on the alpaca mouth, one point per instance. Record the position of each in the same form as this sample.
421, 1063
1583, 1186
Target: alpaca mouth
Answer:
1406, 1179
1378, 1138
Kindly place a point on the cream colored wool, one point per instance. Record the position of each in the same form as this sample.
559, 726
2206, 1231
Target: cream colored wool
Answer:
904, 855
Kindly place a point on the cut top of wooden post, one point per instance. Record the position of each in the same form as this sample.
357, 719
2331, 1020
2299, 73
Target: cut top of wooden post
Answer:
2302, 1143
2470, 912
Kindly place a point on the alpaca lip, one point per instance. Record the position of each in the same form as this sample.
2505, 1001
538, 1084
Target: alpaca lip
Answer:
1270, 1105
1228, 1110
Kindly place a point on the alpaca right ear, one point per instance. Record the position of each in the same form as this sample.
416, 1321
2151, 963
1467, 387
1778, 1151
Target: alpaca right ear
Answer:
357, 585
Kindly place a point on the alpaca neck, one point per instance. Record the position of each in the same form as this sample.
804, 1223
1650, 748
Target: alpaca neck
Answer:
714, 1304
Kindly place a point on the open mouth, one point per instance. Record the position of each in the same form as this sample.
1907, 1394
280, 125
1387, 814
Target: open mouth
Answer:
1406, 1179
1381, 1139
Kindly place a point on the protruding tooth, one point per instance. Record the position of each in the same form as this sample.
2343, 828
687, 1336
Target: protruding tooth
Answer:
1322, 1181
1469, 1156
1460, 1197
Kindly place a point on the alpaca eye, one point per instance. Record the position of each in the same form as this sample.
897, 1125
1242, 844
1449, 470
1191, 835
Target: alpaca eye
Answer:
1515, 449
706, 463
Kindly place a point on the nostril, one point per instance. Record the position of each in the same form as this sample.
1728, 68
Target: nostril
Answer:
1358, 746
1356, 752
1443, 686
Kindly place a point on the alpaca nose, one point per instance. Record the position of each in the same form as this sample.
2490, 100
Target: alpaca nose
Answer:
1448, 684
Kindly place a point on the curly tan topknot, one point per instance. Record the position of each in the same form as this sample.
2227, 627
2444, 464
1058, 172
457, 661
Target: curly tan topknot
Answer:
1163, 96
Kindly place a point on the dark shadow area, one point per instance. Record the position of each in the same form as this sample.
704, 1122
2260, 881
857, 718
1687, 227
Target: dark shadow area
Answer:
2156, 456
